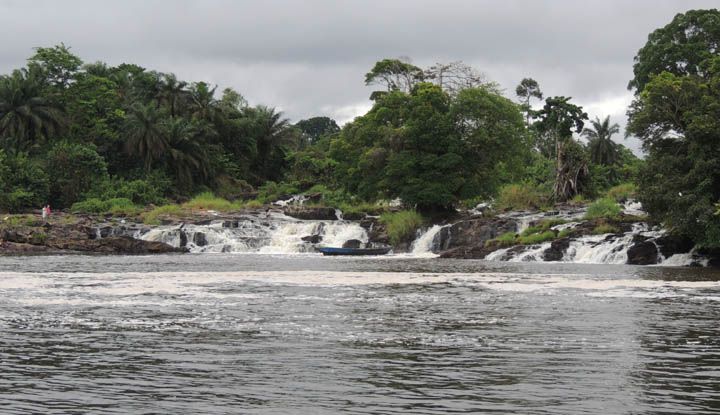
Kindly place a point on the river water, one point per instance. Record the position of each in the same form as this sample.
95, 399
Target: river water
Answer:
279, 334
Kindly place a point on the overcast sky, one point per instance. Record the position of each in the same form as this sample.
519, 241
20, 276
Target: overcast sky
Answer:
309, 57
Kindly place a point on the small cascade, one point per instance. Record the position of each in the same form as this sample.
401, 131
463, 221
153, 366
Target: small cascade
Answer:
276, 234
427, 242
339, 214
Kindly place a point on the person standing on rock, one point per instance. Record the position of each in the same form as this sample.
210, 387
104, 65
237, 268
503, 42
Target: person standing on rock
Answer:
44, 213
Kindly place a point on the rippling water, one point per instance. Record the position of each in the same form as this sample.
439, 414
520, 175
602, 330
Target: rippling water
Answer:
305, 334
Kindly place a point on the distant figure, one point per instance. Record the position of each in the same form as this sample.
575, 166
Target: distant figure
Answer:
48, 210
44, 212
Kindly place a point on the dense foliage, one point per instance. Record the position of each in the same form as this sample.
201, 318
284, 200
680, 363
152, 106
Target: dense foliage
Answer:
676, 112
97, 138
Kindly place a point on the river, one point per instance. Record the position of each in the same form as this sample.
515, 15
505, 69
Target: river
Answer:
284, 334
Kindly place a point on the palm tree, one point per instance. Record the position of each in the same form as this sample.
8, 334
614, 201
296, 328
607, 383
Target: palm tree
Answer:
203, 104
186, 154
603, 150
27, 116
172, 92
145, 136
272, 134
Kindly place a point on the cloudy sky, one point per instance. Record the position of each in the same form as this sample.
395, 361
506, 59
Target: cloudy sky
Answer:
309, 57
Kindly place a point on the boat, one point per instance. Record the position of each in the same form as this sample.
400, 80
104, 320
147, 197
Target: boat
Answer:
355, 251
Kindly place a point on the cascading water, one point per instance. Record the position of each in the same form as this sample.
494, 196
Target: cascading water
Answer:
276, 234
427, 242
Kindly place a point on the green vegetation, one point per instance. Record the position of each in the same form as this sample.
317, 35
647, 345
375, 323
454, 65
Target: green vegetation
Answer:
536, 238
401, 226
622, 192
504, 240
153, 217
97, 138
520, 197
603, 208
675, 113
604, 228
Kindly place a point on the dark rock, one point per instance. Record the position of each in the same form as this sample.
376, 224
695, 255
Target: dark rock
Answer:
642, 253
670, 245
557, 250
311, 213
473, 232
230, 224
313, 239
183, 239
199, 239
314, 197
204, 222
352, 243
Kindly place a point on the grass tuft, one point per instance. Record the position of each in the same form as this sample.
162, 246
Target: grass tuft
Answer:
401, 226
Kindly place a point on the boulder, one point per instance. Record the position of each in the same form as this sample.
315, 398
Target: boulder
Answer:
642, 253
199, 239
313, 239
473, 232
670, 245
352, 243
557, 250
311, 213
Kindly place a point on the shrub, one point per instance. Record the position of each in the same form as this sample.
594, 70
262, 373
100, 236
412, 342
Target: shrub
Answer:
401, 226
253, 204
520, 197
564, 233
362, 209
153, 217
622, 192
122, 206
92, 205
271, 191
604, 228
208, 201
506, 239
537, 238
603, 208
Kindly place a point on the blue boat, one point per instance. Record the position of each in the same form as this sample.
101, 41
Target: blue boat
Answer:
355, 251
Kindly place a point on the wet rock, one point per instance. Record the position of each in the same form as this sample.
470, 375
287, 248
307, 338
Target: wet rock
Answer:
642, 253
200, 239
352, 243
313, 239
670, 245
473, 232
183, 239
230, 224
311, 213
557, 250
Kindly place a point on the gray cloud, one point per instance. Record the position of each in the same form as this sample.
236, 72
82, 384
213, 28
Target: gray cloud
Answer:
309, 57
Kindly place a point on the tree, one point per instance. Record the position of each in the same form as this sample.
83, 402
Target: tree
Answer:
676, 114
557, 121
394, 75
145, 137
316, 127
453, 77
73, 168
682, 47
172, 93
27, 115
57, 64
272, 135
603, 150
186, 155
525, 91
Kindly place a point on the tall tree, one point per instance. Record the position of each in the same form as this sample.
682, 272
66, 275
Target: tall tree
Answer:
145, 136
172, 93
603, 150
453, 77
557, 120
27, 115
525, 91
394, 75
682, 47
316, 127
57, 64
676, 114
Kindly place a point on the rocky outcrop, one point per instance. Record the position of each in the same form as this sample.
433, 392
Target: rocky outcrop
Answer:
643, 252
74, 237
466, 238
557, 250
311, 213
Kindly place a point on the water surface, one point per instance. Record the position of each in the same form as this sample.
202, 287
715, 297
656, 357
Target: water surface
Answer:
265, 334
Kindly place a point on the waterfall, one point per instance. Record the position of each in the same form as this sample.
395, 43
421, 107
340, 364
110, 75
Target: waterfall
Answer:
427, 242
276, 234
